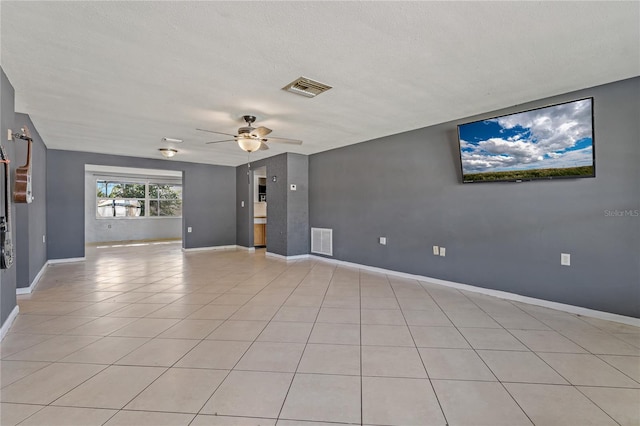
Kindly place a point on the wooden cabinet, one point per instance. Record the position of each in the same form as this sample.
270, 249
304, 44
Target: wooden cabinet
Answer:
259, 234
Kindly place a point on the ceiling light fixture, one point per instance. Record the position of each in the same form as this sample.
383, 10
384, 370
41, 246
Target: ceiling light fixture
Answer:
249, 144
168, 152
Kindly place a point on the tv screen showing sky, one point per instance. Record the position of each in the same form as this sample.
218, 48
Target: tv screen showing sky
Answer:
544, 143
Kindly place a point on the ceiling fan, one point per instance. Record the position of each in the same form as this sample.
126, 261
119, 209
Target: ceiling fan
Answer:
251, 139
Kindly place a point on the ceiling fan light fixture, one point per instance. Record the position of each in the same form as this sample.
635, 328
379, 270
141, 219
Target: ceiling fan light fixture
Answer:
168, 152
249, 144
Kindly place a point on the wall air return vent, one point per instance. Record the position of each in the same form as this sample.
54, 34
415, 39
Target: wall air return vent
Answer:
322, 241
306, 87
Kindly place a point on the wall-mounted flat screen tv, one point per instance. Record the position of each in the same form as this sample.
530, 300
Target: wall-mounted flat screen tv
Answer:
544, 143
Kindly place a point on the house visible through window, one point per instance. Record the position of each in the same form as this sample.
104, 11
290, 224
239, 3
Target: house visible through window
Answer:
134, 199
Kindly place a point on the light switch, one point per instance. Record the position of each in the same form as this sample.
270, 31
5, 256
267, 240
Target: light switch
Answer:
383, 241
293, 187
436, 250
189, 229
443, 251
565, 259
241, 203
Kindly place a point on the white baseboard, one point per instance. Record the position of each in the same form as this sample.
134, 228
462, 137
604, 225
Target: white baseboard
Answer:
249, 249
496, 293
66, 260
279, 256
229, 247
34, 283
9, 321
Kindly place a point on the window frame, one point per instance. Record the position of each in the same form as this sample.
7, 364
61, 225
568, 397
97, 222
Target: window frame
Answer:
159, 199
147, 199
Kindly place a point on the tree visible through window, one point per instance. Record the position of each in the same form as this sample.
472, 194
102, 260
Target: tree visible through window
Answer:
131, 199
165, 200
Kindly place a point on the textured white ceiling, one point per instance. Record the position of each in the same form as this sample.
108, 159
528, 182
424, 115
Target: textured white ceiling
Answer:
116, 77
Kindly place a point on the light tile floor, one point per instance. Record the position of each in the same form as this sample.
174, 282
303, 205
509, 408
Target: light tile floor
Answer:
149, 335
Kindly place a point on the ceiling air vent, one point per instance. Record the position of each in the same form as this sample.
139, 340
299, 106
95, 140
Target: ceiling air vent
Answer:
306, 87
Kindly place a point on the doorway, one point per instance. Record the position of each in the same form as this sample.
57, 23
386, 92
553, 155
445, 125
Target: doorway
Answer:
260, 207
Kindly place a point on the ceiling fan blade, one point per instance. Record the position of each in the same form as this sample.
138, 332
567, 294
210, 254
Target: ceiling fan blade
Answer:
286, 140
263, 147
217, 133
228, 140
261, 131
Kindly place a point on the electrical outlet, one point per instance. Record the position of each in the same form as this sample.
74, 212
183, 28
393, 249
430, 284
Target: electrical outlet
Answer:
293, 187
436, 250
44, 239
383, 241
9, 135
189, 229
241, 203
565, 259
443, 251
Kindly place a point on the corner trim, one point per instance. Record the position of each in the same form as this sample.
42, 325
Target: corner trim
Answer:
34, 283
229, 247
578, 310
66, 260
9, 321
287, 258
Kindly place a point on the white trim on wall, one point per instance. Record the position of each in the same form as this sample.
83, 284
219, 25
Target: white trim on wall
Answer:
66, 260
34, 283
279, 256
249, 249
9, 321
578, 310
229, 247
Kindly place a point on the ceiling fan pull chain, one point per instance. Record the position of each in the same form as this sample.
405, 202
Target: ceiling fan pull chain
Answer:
249, 168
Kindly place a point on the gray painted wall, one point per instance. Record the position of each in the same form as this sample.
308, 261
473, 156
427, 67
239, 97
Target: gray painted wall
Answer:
31, 218
277, 235
7, 117
244, 214
298, 234
208, 200
287, 211
502, 236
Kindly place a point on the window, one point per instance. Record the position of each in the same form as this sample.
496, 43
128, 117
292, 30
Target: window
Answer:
165, 200
135, 199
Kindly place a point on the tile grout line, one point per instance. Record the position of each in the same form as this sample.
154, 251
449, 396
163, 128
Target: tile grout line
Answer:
424, 365
248, 347
256, 268
360, 328
308, 337
588, 352
106, 366
538, 356
519, 340
478, 355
